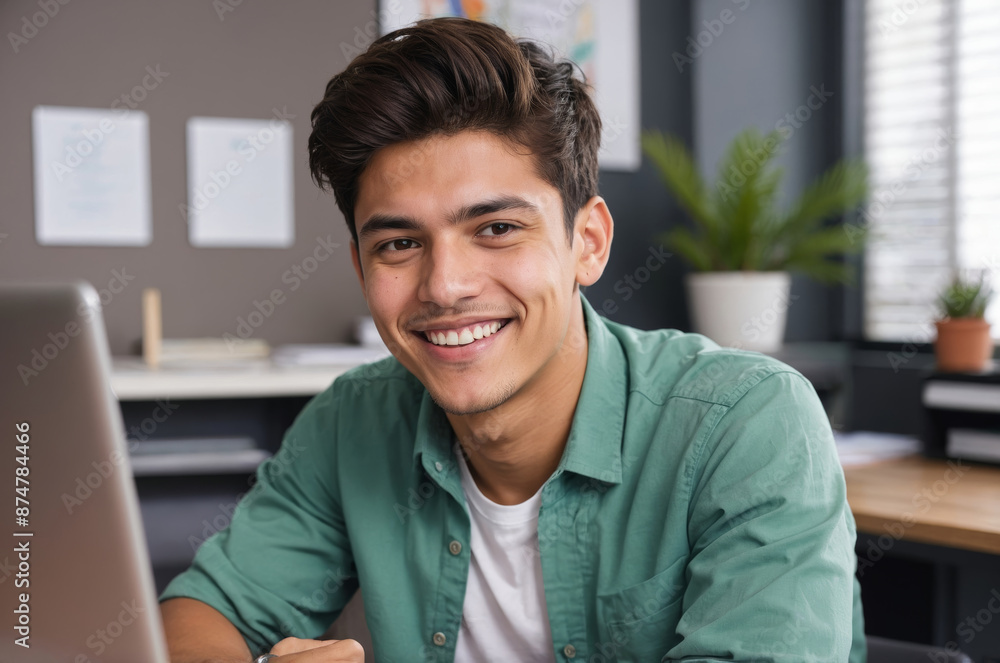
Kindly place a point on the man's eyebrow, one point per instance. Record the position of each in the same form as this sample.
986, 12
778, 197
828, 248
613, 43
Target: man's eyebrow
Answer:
491, 206
378, 222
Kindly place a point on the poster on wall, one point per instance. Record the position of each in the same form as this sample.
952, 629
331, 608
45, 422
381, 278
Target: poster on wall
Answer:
601, 36
240, 189
91, 168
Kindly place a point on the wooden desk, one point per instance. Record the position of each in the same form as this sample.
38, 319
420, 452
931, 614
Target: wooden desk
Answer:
938, 502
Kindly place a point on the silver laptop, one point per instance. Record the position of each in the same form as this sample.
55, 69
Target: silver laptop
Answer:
75, 579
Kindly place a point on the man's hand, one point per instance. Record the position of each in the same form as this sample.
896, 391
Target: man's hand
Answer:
197, 632
298, 650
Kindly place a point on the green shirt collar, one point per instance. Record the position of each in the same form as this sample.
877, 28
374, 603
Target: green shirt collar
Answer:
594, 447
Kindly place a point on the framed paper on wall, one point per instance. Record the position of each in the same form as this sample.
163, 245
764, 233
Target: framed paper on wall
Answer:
601, 36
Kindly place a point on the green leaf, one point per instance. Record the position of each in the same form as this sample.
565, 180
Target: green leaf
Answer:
814, 255
828, 241
748, 196
823, 270
966, 298
840, 189
737, 223
680, 174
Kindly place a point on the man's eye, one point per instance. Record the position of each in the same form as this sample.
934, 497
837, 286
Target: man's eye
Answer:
495, 229
398, 245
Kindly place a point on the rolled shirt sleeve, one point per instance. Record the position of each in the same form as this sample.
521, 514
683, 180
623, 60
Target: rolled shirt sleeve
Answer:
283, 566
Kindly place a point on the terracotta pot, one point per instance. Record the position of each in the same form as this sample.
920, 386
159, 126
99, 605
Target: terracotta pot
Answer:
963, 344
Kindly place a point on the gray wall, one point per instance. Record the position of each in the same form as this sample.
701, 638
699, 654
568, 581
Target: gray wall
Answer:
255, 58
761, 67
639, 203
265, 55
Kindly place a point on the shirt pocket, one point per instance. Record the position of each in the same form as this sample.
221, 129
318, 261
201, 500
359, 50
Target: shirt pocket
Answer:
639, 623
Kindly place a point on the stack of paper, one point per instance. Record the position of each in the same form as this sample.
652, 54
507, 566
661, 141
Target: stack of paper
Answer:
864, 447
326, 355
206, 350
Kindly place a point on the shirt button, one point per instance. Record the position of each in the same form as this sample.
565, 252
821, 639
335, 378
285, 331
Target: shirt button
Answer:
570, 651
438, 466
439, 638
454, 547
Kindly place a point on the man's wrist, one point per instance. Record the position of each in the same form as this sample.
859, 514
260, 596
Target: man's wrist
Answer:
263, 658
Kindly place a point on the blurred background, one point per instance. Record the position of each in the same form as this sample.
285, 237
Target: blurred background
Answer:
908, 88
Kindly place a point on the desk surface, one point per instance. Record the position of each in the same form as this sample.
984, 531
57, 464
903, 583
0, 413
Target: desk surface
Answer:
132, 380
934, 501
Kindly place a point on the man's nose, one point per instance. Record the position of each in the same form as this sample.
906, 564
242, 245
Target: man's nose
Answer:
451, 273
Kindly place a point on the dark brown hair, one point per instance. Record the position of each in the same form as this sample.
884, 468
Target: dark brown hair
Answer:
446, 75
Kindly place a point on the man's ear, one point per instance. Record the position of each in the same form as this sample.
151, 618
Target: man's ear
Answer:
593, 232
356, 259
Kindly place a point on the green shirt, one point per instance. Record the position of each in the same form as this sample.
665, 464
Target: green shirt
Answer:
698, 514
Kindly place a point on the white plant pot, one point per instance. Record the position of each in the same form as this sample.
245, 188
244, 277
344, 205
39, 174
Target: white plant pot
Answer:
740, 309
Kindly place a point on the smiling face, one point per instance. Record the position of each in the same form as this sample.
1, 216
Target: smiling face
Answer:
468, 271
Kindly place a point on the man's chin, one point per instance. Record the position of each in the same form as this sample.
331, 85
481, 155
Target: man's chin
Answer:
470, 404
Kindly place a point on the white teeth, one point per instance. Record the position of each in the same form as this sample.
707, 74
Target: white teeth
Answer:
464, 337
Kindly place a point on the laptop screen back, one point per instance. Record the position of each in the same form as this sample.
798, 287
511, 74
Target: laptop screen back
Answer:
75, 579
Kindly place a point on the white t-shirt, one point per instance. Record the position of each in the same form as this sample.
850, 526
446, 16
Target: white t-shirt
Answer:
503, 616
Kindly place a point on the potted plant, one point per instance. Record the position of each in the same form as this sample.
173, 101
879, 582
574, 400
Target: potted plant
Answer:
742, 246
963, 340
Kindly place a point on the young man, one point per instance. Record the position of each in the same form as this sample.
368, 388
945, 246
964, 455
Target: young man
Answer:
523, 480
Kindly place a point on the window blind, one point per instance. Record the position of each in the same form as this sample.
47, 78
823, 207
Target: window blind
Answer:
932, 142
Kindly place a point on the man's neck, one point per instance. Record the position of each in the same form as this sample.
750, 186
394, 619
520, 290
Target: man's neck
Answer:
514, 448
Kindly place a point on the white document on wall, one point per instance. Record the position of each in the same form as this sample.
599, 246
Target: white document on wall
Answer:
239, 183
91, 170
601, 36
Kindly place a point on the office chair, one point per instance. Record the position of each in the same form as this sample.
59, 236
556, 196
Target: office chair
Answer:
881, 650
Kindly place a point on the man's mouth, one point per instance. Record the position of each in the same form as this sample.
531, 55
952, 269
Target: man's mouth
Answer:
464, 335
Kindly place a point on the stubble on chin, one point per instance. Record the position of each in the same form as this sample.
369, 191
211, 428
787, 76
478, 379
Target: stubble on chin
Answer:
501, 395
